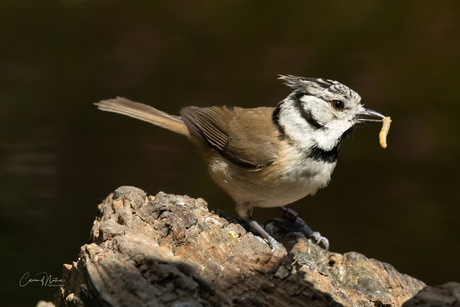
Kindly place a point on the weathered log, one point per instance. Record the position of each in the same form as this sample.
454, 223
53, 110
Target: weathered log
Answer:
169, 250
446, 295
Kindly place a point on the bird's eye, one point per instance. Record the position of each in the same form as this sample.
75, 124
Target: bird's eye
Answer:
338, 104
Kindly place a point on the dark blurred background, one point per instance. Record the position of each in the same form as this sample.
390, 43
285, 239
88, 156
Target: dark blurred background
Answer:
60, 156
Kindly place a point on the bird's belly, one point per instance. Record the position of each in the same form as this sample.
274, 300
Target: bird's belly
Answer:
292, 187
270, 187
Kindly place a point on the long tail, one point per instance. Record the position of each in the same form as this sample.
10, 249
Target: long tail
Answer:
144, 112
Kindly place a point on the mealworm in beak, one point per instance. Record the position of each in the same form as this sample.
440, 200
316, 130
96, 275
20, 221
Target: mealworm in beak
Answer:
384, 131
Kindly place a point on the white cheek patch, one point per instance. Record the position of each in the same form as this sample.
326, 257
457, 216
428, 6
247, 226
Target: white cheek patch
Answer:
305, 135
295, 126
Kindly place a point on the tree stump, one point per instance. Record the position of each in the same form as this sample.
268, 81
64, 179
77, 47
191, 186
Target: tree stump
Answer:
169, 250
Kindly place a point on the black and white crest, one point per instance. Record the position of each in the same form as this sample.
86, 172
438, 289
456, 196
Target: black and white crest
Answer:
319, 87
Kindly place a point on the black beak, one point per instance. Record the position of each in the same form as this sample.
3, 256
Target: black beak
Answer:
369, 116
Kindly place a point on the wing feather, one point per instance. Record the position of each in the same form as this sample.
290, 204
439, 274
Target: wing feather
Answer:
246, 137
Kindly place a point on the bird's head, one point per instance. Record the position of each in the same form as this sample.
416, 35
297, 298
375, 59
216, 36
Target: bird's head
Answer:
321, 112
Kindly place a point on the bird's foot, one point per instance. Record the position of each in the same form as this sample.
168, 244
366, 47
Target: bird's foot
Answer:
292, 216
275, 245
320, 239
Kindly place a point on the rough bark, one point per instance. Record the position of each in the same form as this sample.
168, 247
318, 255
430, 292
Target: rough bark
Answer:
447, 295
169, 250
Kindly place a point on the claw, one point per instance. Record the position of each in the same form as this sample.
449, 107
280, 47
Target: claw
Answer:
320, 240
293, 217
275, 245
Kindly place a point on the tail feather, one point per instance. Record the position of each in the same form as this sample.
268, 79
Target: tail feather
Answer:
144, 112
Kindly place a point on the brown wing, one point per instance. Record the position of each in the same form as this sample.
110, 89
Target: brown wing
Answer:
246, 137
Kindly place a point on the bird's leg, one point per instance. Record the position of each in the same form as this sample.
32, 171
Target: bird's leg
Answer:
273, 243
292, 216
244, 210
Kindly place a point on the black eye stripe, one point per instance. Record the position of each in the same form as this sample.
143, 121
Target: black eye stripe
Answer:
304, 113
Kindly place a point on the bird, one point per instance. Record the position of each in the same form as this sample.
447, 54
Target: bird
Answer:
267, 156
